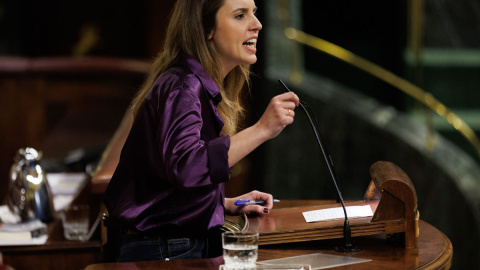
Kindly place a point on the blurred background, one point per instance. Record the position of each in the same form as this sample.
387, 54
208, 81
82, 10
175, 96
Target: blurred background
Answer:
68, 70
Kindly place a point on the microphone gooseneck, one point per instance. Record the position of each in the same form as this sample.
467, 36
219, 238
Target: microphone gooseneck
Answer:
347, 234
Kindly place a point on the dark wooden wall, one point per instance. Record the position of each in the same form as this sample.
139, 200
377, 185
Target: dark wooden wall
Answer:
68, 72
58, 105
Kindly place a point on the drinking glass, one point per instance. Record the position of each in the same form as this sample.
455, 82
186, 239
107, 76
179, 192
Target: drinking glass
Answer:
75, 221
240, 250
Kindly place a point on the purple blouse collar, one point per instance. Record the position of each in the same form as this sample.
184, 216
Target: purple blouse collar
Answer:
192, 64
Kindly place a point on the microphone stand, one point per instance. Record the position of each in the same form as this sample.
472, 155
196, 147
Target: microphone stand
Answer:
347, 234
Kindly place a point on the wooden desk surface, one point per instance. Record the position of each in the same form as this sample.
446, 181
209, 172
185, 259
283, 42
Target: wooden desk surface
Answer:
434, 251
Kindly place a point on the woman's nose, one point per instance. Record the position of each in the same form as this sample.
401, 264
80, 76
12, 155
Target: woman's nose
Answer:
256, 25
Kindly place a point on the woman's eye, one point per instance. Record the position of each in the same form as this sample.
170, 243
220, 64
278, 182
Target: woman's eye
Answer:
240, 16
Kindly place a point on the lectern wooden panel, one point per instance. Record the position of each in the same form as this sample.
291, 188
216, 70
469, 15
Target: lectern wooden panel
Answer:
390, 195
397, 198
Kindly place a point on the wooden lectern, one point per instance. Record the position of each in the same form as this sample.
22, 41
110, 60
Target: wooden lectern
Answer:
390, 194
396, 199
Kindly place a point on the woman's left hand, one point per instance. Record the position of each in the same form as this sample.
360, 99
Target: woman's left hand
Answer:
255, 195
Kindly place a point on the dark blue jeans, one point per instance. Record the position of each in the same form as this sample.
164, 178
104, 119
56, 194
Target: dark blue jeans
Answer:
137, 248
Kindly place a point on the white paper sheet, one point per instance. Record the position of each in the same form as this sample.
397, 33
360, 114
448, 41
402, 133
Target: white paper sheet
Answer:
66, 183
337, 213
32, 242
64, 186
317, 260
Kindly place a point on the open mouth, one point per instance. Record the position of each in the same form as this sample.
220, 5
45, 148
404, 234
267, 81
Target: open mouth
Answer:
250, 43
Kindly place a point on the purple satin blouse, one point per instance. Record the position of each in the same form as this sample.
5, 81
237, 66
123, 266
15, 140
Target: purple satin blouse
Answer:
173, 166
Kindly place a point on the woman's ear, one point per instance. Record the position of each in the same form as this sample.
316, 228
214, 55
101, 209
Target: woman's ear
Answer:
211, 34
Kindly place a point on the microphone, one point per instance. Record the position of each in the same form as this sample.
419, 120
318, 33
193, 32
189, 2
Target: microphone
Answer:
347, 234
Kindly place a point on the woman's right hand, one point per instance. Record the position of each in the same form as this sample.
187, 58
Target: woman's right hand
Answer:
279, 114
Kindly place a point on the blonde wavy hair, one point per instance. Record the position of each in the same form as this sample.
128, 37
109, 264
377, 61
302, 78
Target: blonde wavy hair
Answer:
190, 24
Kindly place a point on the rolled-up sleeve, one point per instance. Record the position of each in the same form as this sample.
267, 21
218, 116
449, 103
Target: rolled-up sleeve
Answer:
218, 159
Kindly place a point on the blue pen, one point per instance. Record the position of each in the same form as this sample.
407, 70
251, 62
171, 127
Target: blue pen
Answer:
250, 202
